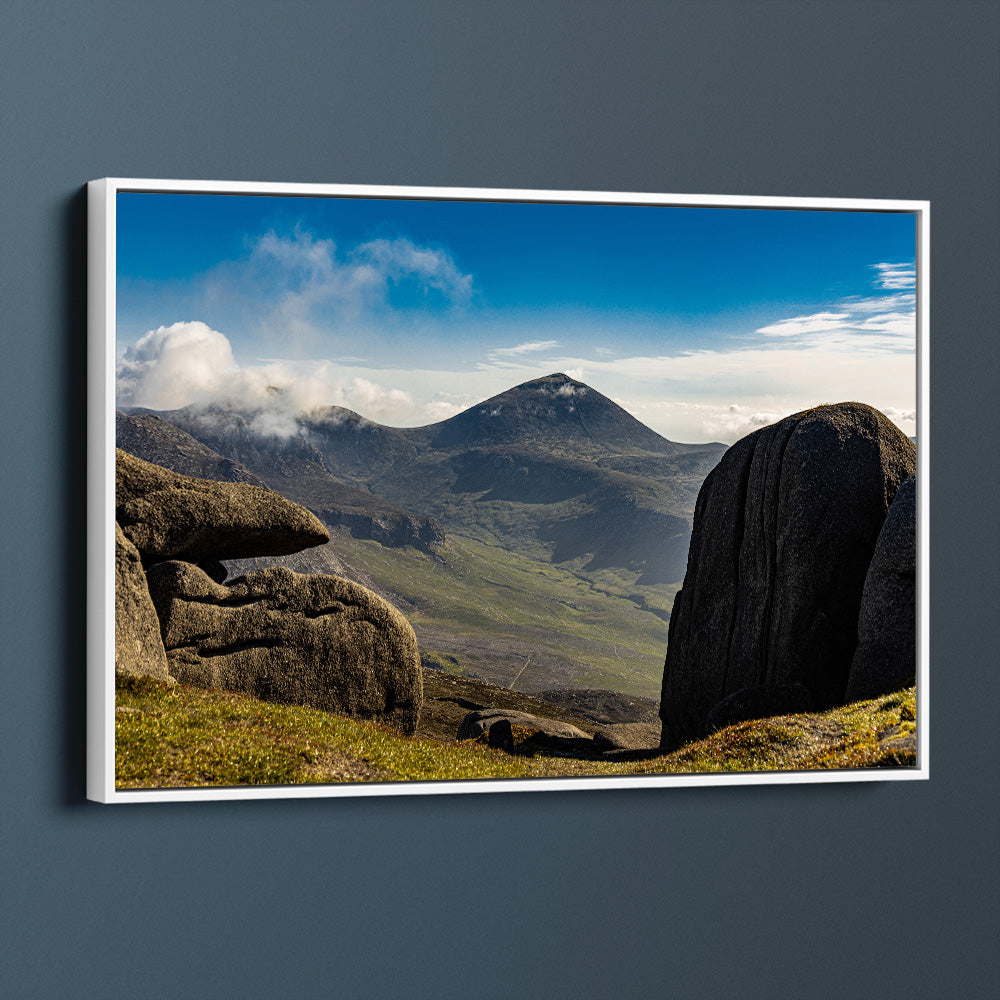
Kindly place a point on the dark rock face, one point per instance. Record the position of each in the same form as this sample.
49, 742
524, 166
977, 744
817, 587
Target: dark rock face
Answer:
139, 649
784, 531
886, 657
170, 516
480, 721
759, 703
287, 637
501, 736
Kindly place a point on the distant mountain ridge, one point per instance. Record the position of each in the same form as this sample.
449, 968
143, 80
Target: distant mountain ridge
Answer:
296, 471
551, 468
555, 414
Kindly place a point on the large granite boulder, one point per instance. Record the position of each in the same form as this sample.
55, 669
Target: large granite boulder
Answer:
784, 530
482, 719
886, 657
170, 516
139, 649
292, 638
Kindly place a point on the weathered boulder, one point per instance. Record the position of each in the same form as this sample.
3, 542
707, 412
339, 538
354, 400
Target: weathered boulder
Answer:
170, 516
139, 649
886, 657
784, 530
291, 638
628, 736
480, 721
759, 703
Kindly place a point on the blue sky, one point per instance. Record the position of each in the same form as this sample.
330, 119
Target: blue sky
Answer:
703, 322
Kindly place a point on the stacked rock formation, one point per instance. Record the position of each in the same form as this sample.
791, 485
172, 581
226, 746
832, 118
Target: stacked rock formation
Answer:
303, 639
784, 532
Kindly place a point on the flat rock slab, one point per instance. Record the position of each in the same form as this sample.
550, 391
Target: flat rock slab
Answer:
480, 721
139, 649
169, 516
293, 638
783, 535
628, 736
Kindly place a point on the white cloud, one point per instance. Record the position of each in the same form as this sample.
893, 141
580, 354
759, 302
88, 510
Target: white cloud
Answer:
799, 326
893, 276
172, 366
881, 303
190, 364
399, 258
878, 322
893, 322
368, 398
302, 290
440, 409
531, 347
904, 418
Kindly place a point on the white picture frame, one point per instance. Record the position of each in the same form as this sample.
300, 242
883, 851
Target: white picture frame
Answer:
103, 197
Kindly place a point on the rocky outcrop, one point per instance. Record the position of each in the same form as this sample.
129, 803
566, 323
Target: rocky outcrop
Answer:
480, 721
388, 525
149, 437
886, 657
139, 649
170, 516
784, 531
287, 637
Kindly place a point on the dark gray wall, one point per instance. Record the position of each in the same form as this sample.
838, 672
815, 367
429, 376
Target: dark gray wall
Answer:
885, 890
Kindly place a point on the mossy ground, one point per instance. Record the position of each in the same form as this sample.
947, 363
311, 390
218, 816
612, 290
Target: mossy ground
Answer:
183, 736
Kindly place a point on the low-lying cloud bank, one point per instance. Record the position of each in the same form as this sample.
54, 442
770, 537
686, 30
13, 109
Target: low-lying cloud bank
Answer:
190, 364
694, 396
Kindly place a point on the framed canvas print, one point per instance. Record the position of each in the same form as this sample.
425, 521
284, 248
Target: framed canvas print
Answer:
422, 490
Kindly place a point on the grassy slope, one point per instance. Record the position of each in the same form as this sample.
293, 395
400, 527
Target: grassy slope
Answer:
181, 736
494, 610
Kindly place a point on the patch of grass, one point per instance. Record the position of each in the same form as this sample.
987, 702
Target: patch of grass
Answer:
183, 736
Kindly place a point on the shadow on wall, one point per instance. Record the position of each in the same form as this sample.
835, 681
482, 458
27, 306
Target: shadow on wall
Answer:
72, 543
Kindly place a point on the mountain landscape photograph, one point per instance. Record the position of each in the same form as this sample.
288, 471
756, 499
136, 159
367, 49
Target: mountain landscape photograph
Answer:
448, 488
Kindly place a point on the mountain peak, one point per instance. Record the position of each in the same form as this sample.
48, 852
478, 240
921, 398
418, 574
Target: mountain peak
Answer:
556, 380
555, 413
